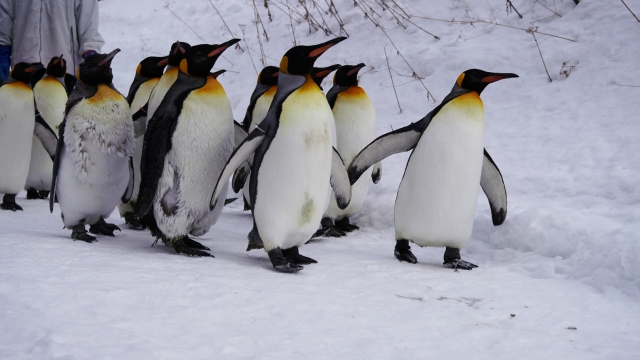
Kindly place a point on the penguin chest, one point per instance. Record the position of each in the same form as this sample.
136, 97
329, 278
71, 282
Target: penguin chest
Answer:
201, 145
16, 132
262, 107
293, 175
51, 98
142, 94
437, 197
160, 90
355, 119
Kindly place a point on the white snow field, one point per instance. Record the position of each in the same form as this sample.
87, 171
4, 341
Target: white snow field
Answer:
560, 279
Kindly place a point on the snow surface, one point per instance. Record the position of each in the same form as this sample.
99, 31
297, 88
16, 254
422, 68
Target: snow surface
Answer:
566, 257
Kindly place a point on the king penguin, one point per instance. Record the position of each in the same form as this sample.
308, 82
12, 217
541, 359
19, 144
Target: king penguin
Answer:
17, 112
292, 164
319, 73
51, 95
189, 139
93, 168
356, 127
437, 197
148, 73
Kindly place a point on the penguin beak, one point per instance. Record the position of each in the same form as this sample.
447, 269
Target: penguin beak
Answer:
275, 74
326, 71
321, 48
355, 70
107, 59
30, 69
222, 47
163, 62
493, 77
217, 73
178, 48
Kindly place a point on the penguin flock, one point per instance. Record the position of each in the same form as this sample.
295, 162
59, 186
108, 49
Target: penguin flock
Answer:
164, 154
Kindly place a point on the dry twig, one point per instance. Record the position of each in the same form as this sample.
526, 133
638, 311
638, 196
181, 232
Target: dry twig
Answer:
634, 15
392, 83
545, 65
225, 25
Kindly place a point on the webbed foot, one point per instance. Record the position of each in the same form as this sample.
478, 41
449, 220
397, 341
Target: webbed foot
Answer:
328, 229
194, 244
32, 194
345, 226
293, 256
181, 246
79, 233
280, 263
229, 201
133, 222
9, 203
43, 194
403, 252
103, 228
452, 260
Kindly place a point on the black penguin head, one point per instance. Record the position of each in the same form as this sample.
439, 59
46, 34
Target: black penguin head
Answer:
217, 73
347, 75
178, 49
96, 69
23, 71
269, 76
318, 74
299, 60
476, 80
57, 66
199, 60
152, 67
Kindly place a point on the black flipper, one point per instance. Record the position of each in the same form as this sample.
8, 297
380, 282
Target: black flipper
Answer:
46, 135
376, 174
493, 186
397, 141
240, 176
128, 193
56, 164
157, 138
332, 94
340, 181
239, 155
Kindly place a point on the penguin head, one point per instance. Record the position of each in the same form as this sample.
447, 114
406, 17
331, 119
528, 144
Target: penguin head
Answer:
23, 71
269, 76
318, 74
152, 67
96, 69
347, 75
299, 60
178, 49
476, 80
199, 60
57, 66
217, 73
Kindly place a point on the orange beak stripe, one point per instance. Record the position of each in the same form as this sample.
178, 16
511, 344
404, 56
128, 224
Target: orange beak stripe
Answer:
319, 51
490, 79
163, 62
323, 73
217, 51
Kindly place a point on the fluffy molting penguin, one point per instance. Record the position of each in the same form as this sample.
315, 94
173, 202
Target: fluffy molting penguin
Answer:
437, 197
148, 73
186, 145
92, 170
51, 95
356, 127
292, 164
17, 112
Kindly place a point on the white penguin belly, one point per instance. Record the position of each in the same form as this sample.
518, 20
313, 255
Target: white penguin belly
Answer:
355, 119
160, 90
85, 201
201, 145
437, 197
16, 132
51, 98
292, 181
141, 98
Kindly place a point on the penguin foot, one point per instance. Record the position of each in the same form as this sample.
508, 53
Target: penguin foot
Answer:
452, 260
103, 228
293, 256
403, 252
280, 263
9, 203
459, 264
229, 201
181, 247
328, 229
44, 194
79, 233
32, 194
194, 244
133, 223
345, 226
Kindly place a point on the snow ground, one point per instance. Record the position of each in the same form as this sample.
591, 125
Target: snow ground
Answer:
567, 255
